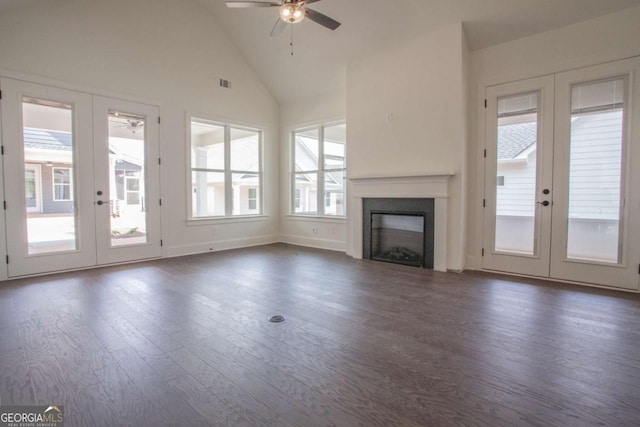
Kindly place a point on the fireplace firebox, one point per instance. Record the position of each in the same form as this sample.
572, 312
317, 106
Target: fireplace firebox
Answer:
399, 230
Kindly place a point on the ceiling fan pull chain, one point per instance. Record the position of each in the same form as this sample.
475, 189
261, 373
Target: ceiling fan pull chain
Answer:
291, 39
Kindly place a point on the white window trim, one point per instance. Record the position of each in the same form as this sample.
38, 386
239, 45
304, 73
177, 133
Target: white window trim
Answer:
320, 171
53, 183
228, 173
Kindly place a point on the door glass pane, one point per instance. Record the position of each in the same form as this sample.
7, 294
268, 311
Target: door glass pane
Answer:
595, 171
127, 201
48, 142
516, 177
30, 187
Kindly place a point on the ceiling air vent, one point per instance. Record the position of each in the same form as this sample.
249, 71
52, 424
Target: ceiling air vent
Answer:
225, 83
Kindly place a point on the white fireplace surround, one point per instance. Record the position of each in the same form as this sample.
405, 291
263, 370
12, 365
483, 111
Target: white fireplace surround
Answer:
417, 186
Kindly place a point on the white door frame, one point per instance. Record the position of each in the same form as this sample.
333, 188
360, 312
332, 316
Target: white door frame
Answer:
150, 178
621, 276
625, 274
90, 134
538, 263
20, 261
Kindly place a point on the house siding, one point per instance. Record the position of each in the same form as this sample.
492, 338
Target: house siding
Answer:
595, 155
596, 161
48, 204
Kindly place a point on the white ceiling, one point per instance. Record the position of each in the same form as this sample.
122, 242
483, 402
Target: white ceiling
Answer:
320, 55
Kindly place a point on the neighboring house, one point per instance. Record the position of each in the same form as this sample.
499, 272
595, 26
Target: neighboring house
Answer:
208, 187
49, 172
595, 159
306, 191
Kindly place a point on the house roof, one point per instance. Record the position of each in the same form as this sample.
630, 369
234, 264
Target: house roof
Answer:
515, 138
47, 139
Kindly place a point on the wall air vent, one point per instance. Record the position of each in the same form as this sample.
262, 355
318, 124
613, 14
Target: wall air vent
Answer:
225, 83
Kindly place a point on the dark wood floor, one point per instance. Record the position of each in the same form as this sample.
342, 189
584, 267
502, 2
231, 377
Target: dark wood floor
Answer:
186, 341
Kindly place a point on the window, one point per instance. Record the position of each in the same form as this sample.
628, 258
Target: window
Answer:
30, 186
252, 199
226, 172
297, 198
61, 184
319, 170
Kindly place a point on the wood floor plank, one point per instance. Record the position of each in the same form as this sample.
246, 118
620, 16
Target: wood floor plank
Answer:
167, 403
16, 387
128, 401
186, 342
210, 406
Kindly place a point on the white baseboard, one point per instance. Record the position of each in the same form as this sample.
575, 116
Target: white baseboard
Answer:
313, 242
219, 245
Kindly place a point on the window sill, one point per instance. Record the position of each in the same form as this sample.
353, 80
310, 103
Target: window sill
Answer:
316, 218
226, 220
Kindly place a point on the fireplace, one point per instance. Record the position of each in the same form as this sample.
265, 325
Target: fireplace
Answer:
399, 230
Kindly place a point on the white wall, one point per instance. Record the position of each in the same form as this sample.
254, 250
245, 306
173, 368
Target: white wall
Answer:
603, 39
406, 115
163, 52
326, 233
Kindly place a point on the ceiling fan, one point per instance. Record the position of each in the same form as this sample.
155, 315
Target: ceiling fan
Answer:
291, 12
130, 124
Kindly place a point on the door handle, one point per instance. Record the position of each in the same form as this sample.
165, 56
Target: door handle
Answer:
543, 203
100, 202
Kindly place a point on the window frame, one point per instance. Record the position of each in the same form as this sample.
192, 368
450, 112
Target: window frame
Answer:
320, 171
252, 198
226, 170
54, 183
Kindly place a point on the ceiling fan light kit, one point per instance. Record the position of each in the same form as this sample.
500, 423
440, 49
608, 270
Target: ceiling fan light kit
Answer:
291, 12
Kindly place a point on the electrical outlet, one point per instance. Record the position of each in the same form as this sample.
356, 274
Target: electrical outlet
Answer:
314, 230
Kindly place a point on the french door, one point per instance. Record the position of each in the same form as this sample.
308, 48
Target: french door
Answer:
68, 158
560, 152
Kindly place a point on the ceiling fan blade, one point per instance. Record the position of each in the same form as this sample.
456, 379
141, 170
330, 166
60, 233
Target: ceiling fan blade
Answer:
321, 19
245, 4
278, 28
306, 2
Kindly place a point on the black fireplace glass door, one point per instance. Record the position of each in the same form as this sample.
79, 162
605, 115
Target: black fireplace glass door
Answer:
398, 238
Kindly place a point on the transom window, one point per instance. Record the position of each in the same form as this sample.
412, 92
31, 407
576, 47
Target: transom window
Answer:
226, 171
319, 170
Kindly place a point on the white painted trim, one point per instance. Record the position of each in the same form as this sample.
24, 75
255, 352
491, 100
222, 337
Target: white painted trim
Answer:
220, 245
313, 218
314, 242
415, 186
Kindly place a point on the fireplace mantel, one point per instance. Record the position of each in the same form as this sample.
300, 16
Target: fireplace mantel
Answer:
434, 186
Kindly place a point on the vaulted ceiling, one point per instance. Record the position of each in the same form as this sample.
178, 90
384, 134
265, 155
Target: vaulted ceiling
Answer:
320, 55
